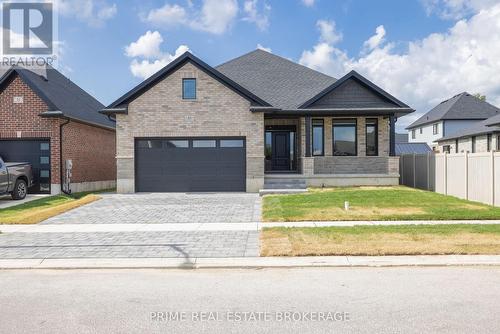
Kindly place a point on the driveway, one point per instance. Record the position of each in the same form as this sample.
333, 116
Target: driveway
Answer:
166, 208
116, 213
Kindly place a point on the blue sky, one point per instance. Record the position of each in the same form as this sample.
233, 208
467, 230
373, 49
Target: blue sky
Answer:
414, 49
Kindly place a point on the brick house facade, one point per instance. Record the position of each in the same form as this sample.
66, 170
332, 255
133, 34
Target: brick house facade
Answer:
90, 145
159, 129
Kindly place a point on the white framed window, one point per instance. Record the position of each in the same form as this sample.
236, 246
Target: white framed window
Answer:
435, 129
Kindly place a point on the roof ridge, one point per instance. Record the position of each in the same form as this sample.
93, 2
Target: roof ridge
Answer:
276, 56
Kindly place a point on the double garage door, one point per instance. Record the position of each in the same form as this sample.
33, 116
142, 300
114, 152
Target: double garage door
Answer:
190, 164
35, 152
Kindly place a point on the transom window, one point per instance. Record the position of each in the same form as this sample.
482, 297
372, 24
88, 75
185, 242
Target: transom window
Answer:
189, 89
344, 137
318, 137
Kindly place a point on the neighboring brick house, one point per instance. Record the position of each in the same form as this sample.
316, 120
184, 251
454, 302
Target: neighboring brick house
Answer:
255, 121
44, 111
448, 118
479, 138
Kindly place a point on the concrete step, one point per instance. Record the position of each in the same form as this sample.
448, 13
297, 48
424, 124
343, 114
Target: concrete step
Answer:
263, 192
284, 186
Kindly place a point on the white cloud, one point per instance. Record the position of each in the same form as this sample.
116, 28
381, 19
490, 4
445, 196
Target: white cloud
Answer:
259, 46
147, 54
167, 15
328, 33
261, 19
308, 3
148, 45
464, 58
376, 39
214, 16
456, 9
93, 12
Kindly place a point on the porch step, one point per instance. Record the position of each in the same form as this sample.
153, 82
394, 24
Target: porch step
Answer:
263, 192
284, 183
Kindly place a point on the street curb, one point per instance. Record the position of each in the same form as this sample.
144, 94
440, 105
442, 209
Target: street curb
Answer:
254, 262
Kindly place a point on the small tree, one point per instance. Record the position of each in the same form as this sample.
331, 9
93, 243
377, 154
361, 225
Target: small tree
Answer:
480, 96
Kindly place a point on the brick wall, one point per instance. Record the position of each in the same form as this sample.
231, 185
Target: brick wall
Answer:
217, 111
92, 151
21, 120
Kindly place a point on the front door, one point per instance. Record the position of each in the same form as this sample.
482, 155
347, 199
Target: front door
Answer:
281, 150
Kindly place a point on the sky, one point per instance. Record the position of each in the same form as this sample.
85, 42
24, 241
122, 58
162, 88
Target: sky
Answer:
421, 51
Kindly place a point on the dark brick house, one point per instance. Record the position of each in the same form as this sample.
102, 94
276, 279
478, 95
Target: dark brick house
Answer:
46, 120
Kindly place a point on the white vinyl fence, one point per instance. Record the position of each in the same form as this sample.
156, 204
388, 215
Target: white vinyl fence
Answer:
472, 176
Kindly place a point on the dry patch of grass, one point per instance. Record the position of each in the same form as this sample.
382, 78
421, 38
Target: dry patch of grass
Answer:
40, 210
381, 240
358, 213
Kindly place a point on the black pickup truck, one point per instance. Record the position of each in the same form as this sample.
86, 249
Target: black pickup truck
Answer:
15, 179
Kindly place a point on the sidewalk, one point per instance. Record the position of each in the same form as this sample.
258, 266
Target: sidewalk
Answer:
255, 226
254, 262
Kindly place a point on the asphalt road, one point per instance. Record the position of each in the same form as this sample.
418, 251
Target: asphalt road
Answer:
342, 300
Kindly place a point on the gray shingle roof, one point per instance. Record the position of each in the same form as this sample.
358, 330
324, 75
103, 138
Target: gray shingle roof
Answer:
461, 106
409, 148
401, 138
61, 94
279, 81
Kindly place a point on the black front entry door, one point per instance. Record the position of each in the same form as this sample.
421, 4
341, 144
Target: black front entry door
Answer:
281, 151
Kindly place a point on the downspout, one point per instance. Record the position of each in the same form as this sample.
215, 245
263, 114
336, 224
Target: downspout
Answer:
61, 173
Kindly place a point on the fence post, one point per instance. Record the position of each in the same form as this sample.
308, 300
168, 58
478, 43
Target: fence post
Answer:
402, 169
428, 170
414, 171
445, 174
492, 177
466, 175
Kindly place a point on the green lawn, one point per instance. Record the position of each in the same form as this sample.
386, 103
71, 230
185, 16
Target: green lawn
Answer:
381, 240
41, 209
373, 203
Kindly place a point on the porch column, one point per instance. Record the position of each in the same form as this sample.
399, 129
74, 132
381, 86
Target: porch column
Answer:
308, 136
392, 136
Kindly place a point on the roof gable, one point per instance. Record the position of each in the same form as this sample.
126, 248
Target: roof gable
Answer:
174, 65
352, 94
463, 106
369, 88
63, 97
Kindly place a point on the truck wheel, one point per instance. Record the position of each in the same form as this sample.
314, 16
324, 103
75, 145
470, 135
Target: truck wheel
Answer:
20, 190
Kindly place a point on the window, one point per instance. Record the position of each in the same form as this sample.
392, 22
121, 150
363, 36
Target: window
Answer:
446, 149
44, 146
177, 144
318, 137
149, 144
371, 137
44, 160
204, 143
413, 134
473, 144
421, 130
435, 129
498, 143
489, 142
231, 143
44, 173
344, 137
456, 145
189, 89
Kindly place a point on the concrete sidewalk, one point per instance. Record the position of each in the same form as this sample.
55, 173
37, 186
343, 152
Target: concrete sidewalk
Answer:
254, 262
250, 226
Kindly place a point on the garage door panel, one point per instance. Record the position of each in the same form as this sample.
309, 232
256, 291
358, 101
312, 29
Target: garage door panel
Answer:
35, 152
201, 169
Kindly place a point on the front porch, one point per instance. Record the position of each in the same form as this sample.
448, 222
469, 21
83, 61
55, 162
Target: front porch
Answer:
329, 151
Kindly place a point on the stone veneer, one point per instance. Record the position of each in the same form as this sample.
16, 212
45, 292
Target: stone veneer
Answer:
217, 111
